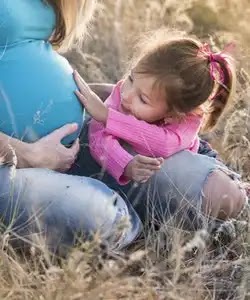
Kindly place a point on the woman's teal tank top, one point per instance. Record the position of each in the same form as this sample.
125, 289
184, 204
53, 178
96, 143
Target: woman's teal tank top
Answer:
36, 83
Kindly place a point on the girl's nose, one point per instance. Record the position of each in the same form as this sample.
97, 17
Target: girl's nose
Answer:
128, 96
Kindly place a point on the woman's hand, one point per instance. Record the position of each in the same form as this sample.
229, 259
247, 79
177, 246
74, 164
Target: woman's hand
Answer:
48, 152
92, 103
141, 168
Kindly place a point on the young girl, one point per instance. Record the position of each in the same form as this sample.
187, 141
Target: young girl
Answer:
157, 109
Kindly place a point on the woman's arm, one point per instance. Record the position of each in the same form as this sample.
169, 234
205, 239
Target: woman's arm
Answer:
12, 149
48, 152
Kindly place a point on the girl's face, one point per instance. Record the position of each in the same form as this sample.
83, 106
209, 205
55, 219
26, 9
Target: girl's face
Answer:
141, 99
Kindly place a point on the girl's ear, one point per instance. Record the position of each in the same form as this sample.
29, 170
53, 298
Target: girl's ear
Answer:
168, 119
165, 120
199, 110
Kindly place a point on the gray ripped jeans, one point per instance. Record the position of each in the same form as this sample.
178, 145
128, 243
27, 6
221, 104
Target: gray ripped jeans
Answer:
175, 190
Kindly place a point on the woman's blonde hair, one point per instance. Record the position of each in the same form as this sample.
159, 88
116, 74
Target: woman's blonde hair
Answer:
72, 17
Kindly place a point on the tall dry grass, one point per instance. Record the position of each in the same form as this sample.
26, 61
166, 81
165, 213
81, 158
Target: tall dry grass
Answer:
118, 24
170, 263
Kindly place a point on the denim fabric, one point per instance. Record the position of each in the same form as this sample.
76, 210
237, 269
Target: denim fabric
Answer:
174, 190
206, 149
62, 208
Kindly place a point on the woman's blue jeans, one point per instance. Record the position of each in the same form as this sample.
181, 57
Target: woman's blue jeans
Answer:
61, 209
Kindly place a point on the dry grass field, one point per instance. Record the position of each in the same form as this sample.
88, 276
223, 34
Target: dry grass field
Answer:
171, 264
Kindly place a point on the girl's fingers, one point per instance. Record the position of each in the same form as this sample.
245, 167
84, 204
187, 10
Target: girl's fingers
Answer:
149, 160
81, 97
142, 179
78, 76
79, 94
161, 160
77, 80
145, 180
148, 167
82, 85
145, 172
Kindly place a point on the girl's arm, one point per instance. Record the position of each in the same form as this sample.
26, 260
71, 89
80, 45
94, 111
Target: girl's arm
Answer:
123, 166
108, 152
149, 139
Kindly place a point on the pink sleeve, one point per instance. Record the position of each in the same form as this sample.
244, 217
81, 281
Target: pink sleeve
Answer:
153, 140
105, 148
108, 152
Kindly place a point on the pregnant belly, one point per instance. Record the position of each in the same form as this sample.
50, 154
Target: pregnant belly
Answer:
36, 92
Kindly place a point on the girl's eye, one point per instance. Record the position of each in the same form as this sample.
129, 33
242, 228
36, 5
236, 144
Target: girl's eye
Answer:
142, 100
130, 78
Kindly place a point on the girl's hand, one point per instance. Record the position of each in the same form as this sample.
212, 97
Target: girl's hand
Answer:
92, 103
141, 168
103, 90
48, 152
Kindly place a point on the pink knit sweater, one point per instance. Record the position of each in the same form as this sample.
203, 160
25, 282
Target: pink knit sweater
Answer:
146, 139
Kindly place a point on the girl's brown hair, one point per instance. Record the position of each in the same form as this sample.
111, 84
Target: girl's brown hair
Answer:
71, 19
185, 76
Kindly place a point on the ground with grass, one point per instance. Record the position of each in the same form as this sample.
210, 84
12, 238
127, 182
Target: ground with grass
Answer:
171, 263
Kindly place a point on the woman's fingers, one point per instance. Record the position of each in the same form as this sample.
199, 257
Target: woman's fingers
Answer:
62, 132
68, 155
52, 154
75, 147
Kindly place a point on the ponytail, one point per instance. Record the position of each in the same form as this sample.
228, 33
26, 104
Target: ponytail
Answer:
223, 96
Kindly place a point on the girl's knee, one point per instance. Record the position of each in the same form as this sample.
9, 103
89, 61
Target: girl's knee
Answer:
223, 196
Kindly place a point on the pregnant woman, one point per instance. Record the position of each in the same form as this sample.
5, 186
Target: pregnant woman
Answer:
37, 98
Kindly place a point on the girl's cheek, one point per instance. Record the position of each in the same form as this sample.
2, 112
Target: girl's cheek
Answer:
124, 86
136, 111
